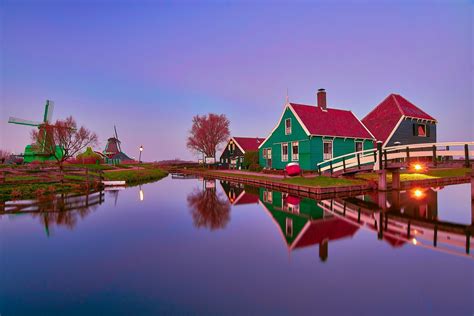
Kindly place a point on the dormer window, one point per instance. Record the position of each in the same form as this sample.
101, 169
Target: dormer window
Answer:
288, 126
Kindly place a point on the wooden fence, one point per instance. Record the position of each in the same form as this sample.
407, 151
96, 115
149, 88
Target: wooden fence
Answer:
50, 174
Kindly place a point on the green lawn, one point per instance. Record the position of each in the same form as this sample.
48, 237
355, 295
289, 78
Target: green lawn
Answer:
319, 181
135, 176
323, 181
430, 174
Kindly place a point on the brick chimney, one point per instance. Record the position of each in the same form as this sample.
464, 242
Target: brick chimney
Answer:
322, 99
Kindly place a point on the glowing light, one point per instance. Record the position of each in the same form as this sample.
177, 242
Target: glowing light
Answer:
414, 241
141, 195
418, 167
418, 193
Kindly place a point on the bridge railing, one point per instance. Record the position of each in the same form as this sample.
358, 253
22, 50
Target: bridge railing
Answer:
381, 157
351, 160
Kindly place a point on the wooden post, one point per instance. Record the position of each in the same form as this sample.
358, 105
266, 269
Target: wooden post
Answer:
468, 241
467, 163
408, 154
380, 234
330, 166
382, 183
408, 230
358, 161
435, 237
344, 209
379, 149
319, 169
435, 160
396, 179
344, 163
358, 215
385, 157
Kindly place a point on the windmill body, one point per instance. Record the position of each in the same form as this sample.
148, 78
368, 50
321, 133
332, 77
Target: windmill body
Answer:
36, 153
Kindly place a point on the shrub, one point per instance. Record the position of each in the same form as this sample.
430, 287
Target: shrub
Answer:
255, 167
250, 158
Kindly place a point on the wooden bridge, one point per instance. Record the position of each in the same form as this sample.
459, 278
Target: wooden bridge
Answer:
444, 154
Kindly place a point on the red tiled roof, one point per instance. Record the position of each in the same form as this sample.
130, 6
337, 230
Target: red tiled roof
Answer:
384, 117
246, 198
249, 143
332, 122
331, 229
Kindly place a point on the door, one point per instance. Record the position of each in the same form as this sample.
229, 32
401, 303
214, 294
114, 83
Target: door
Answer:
269, 158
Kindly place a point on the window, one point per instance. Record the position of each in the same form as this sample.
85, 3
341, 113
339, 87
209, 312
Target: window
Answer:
264, 153
287, 126
327, 154
267, 196
289, 227
358, 146
269, 153
294, 151
422, 130
284, 152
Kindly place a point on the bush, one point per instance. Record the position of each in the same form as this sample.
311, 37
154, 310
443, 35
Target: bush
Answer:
250, 158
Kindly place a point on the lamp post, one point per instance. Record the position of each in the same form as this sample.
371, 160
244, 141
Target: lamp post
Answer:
140, 156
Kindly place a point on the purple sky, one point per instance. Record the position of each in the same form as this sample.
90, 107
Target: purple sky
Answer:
149, 67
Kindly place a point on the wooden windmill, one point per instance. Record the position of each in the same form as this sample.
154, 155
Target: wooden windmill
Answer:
30, 153
113, 150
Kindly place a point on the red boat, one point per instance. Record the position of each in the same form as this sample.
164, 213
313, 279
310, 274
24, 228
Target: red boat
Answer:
293, 169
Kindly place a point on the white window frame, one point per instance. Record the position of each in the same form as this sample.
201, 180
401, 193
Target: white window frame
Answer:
326, 156
295, 157
361, 145
288, 129
417, 132
284, 157
269, 153
268, 196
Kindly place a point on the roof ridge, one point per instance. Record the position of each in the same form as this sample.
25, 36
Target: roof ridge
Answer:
377, 106
396, 102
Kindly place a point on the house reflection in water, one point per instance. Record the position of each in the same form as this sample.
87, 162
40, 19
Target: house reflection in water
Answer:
240, 194
303, 223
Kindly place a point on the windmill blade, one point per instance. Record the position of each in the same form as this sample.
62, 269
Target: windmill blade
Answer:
15, 120
116, 136
48, 111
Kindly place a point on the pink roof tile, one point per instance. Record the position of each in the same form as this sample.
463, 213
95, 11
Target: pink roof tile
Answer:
249, 143
384, 117
330, 122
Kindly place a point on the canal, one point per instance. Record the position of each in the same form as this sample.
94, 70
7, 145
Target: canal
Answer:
189, 246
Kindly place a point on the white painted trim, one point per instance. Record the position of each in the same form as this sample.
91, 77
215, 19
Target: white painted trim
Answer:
393, 131
373, 137
235, 142
287, 151
332, 148
278, 124
299, 120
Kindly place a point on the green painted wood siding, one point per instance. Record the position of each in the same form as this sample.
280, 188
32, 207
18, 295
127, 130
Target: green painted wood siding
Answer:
278, 137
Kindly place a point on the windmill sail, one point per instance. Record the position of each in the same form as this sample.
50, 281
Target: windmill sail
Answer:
118, 141
48, 111
15, 120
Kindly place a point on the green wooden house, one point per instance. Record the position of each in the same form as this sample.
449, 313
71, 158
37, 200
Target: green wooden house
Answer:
311, 134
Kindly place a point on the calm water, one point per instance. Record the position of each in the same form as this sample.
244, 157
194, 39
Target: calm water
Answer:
188, 246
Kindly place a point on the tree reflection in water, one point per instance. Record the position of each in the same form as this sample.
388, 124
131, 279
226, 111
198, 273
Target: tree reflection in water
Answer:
209, 209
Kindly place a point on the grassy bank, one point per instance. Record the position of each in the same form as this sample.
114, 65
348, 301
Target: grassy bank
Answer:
320, 181
136, 176
16, 187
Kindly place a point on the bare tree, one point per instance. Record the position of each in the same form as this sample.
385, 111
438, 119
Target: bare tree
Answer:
62, 140
3, 155
207, 133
